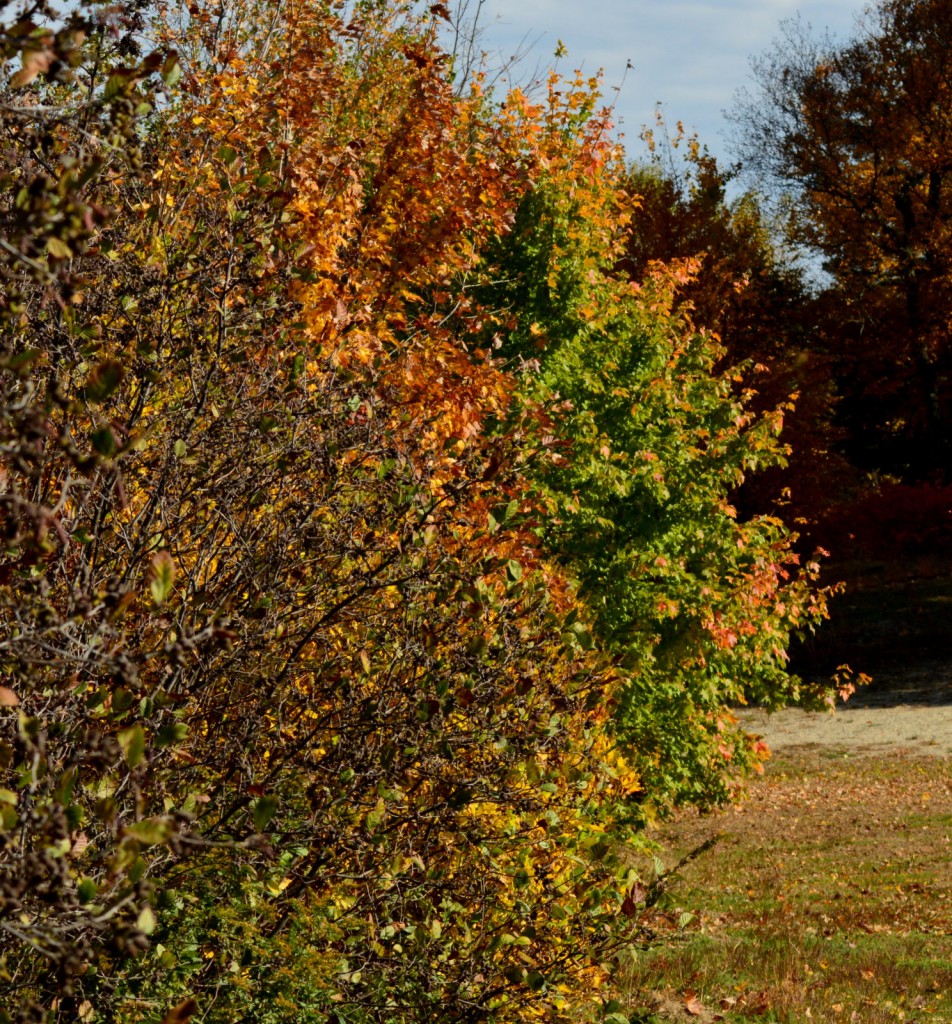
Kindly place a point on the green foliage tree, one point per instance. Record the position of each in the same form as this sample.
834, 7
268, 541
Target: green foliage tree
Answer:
697, 606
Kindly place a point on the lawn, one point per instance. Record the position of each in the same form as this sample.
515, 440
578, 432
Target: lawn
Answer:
828, 898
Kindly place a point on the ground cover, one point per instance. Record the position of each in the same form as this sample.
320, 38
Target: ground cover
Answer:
828, 897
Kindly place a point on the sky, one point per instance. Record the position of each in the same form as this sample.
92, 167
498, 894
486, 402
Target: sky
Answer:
690, 56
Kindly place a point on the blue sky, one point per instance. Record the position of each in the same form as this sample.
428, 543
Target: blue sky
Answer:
691, 56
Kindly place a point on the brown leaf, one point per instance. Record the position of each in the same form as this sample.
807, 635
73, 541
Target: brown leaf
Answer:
181, 1013
636, 894
35, 62
8, 699
80, 842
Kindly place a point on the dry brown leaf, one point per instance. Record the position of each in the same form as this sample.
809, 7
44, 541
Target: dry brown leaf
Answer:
181, 1013
80, 842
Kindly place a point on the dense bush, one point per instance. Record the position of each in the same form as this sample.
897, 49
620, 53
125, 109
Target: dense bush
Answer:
343, 628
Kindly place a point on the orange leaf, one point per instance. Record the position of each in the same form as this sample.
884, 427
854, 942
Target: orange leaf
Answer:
693, 1005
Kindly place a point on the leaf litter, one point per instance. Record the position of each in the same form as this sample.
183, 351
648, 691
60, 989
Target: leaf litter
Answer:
828, 897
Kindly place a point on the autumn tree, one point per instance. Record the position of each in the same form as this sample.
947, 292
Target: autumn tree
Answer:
750, 293
346, 631
696, 605
77, 87
857, 136
287, 677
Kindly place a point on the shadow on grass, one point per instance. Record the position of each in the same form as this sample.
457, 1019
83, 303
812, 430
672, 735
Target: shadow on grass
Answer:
897, 632
829, 899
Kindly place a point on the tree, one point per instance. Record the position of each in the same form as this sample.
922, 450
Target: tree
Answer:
750, 295
287, 677
75, 99
696, 606
858, 137
304, 717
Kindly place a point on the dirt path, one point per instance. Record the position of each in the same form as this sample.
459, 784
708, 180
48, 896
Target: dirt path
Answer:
907, 707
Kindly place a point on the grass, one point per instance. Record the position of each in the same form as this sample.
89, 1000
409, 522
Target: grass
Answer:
829, 898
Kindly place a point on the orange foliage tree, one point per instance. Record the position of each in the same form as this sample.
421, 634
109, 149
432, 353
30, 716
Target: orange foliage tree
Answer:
316, 653
857, 136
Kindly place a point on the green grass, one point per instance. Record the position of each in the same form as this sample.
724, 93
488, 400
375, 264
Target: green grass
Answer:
829, 898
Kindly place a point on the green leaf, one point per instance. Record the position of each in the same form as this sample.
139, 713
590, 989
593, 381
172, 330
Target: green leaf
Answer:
22, 360
146, 922
171, 70
86, 890
104, 441
138, 869
535, 980
115, 84
151, 831
376, 816
263, 812
132, 742
162, 574
58, 249
169, 735
67, 783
